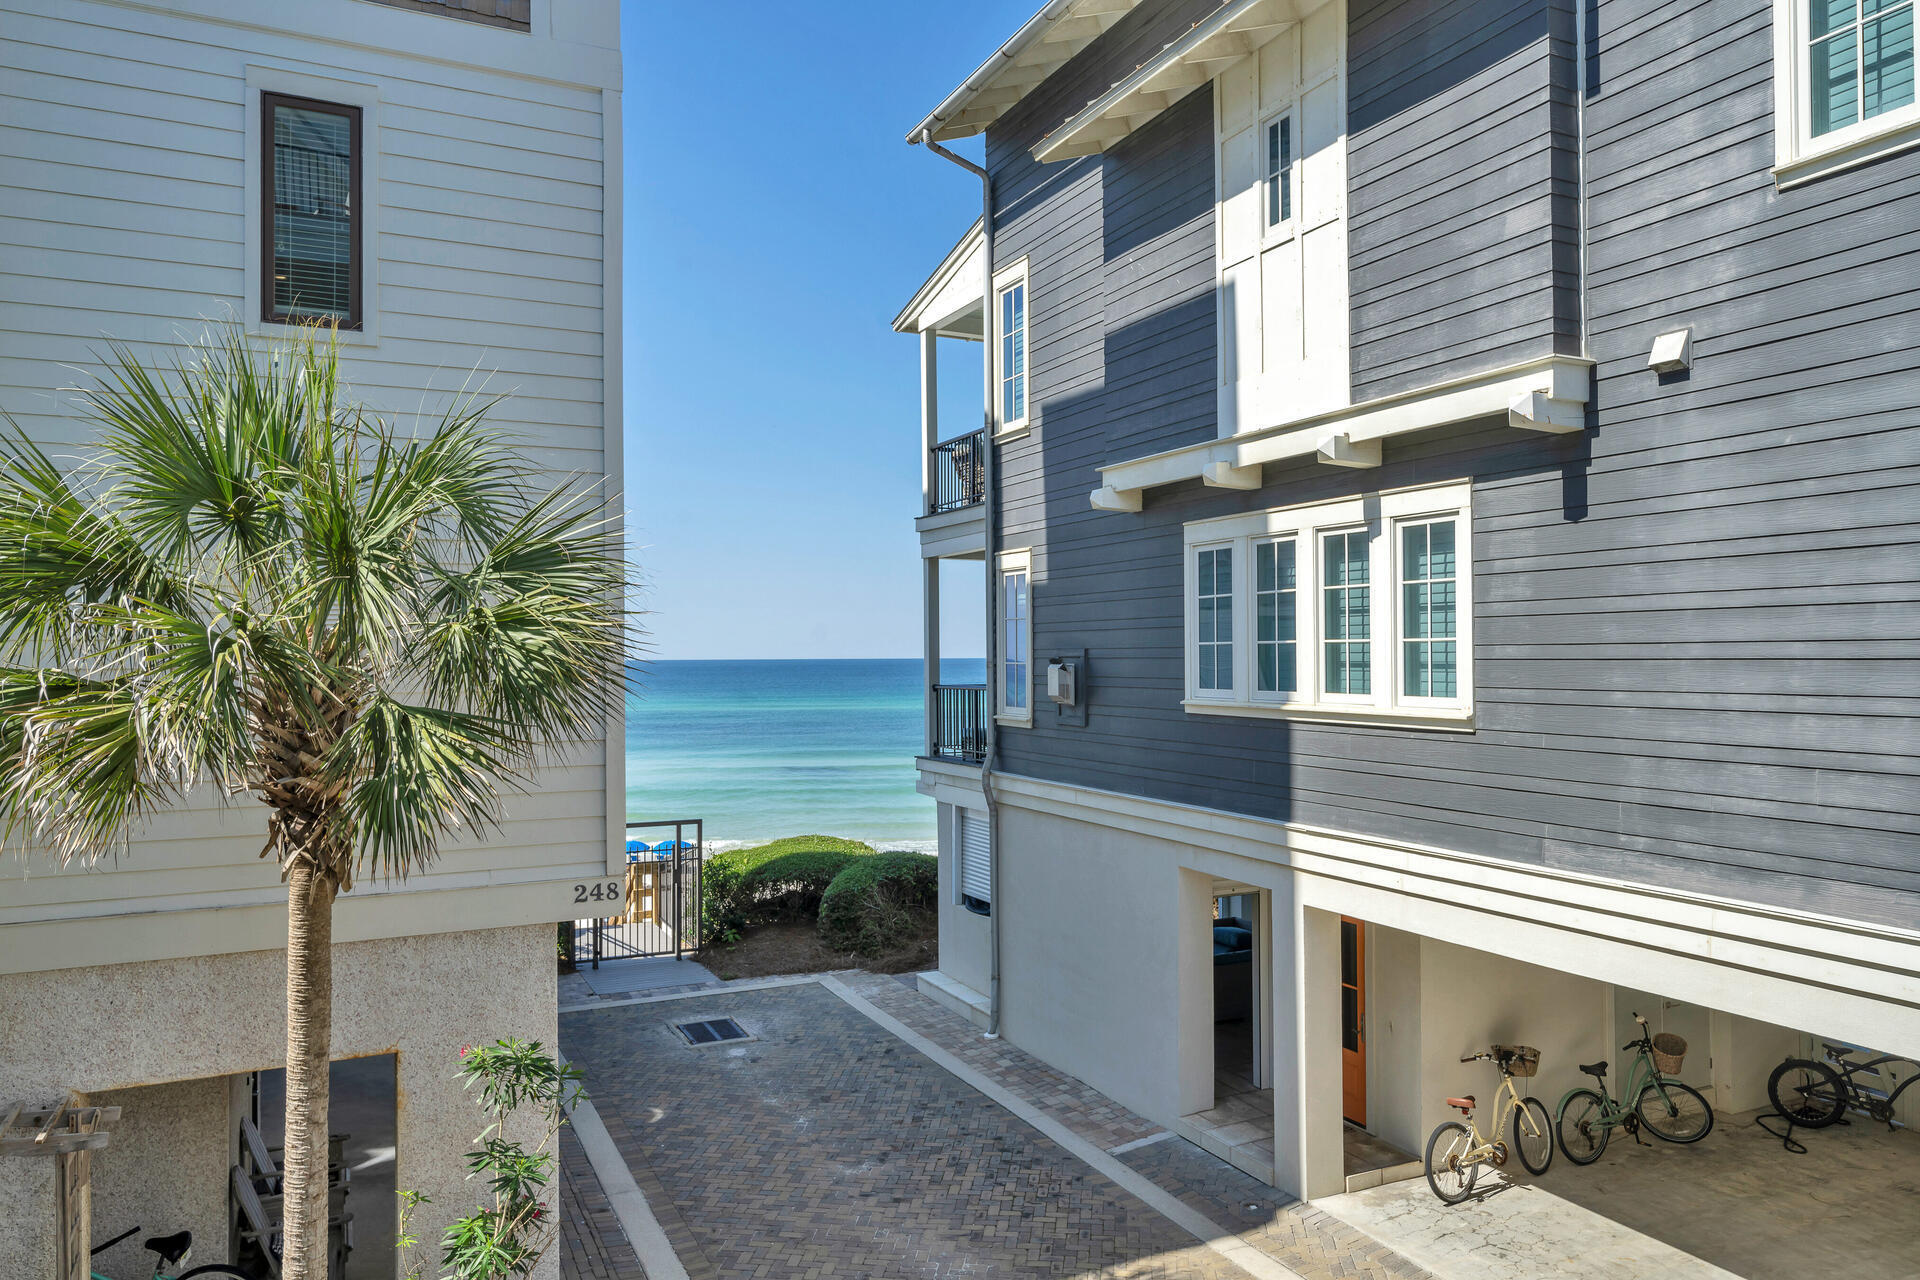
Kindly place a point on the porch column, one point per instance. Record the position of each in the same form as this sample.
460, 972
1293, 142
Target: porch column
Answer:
1308, 1155
929, 414
930, 631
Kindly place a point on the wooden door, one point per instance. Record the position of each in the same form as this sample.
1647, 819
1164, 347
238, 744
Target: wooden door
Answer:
1353, 1020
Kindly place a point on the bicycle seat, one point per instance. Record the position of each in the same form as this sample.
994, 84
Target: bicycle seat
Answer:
1835, 1051
1465, 1104
1598, 1070
170, 1248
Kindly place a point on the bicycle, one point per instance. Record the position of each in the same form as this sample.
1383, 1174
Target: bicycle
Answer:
1664, 1107
1456, 1151
171, 1251
1814, 1095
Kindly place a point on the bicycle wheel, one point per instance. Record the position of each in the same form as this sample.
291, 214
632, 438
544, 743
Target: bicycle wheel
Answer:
1533, 1135
1583, 1128
1807, 1093
220, 1269
1450, 1180
1674, 1111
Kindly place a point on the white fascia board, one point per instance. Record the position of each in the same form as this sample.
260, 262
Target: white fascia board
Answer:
1563, 380
1233, 32
960, 268
1044, 43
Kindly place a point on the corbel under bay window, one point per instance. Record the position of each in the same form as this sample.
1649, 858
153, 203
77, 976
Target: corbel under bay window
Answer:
1354, 609
1844, 84
1013, 683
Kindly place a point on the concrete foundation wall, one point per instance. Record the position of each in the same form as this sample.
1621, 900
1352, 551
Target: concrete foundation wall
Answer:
965, 938
114, 1031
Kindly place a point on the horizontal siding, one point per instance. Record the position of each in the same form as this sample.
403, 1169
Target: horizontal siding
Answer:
1697, 627
122, 173
1462, 188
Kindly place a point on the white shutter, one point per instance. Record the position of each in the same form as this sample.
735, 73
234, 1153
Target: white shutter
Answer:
976, 866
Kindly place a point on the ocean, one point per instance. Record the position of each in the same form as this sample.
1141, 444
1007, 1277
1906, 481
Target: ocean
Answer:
766, 749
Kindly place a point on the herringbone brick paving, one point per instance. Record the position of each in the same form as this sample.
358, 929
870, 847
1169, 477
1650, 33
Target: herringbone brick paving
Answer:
592, 1245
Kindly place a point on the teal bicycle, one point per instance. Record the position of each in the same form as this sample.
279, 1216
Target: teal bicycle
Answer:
171, 1251
1664, 1107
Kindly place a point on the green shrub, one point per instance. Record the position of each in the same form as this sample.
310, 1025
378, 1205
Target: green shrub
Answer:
872, 902
768, 883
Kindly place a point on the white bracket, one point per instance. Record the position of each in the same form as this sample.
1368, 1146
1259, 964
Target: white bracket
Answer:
1342, 450
1224, 475
1109, 498
1538, 411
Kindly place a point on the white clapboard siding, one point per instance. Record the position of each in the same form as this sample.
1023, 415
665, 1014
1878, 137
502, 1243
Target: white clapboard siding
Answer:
123, 214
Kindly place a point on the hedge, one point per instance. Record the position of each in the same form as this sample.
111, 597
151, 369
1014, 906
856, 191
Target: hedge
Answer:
869, 903
768, 883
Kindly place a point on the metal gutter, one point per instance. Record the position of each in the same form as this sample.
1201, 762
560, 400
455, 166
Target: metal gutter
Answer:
956, 102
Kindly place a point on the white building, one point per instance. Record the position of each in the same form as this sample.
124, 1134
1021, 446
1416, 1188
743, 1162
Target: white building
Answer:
464, 214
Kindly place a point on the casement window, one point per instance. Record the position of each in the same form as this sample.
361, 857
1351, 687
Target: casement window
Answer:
1844, 83
973, 861
1351, 609
1016, 638
1279, 170
311, 211
1010, 348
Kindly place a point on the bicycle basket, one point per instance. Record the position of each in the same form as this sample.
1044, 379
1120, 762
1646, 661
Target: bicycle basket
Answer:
1669, 1051
1518, 1059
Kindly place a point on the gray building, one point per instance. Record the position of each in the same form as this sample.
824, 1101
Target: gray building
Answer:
1448, 490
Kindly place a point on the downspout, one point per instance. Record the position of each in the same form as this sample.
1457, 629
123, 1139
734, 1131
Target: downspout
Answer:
990, 514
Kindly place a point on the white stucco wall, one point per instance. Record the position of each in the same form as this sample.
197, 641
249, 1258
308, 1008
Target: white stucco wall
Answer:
115, 1030
965, 937
165, 1171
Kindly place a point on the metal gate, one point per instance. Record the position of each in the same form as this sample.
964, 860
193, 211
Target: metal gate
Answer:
659, 910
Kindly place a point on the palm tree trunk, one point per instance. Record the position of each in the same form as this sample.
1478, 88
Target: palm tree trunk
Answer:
309, 1035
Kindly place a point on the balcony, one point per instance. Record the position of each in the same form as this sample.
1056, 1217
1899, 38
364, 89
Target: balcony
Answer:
959, 473
959, 728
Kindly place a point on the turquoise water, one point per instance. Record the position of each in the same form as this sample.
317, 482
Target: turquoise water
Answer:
778, 748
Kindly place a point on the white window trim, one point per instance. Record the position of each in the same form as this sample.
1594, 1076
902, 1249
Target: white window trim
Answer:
347, 93
1003, 280
1798, 155
1382, 515
1016, 561
1285, 229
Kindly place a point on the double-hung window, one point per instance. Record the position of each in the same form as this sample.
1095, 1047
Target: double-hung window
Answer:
1015, 693
1010, 347
310, 211
1844, 83
1350, 609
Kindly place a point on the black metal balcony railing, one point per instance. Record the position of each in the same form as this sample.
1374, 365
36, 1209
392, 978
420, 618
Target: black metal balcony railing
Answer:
960, 722
960, 472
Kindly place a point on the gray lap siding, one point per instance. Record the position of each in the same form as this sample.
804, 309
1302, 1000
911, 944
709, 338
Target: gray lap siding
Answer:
1697, 625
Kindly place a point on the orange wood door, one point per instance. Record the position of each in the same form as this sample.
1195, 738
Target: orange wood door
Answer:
1353, 1020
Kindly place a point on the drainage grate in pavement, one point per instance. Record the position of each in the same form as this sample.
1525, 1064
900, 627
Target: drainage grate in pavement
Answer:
712, 1031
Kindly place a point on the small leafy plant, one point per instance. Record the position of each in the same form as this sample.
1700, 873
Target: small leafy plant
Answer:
510, 1236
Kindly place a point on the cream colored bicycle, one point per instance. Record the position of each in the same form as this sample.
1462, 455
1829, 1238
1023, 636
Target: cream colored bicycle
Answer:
1456, 1151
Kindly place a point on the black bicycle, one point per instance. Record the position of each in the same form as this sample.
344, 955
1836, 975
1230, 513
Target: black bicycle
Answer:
1814, 1095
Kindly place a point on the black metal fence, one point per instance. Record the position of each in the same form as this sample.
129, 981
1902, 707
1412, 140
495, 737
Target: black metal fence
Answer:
960, 472
659, 909
960, 722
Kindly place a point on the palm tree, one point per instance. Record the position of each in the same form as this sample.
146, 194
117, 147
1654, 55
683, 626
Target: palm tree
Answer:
257, 583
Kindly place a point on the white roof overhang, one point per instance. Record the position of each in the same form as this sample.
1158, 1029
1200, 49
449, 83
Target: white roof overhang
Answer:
1041, 47
952, 302
1230, 34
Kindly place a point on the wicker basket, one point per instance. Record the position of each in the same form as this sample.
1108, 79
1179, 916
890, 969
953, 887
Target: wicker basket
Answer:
1669, 1051
1519, 1059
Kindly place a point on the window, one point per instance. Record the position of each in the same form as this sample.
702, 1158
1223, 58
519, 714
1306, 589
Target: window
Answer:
1214, 571
1843, 83
973, 881
1279, 170
1276, 662
1010, 358
1016, 638
1379, 629
310, 211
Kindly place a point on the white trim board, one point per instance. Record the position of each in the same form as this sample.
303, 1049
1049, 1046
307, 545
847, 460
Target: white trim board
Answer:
1841, 978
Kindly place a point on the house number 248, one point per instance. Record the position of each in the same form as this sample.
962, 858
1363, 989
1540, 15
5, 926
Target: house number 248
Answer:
605, 891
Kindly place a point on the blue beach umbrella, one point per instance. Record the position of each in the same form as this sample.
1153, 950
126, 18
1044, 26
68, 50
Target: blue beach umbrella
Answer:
666, 847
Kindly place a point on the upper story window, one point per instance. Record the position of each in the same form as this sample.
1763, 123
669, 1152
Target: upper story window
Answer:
514, 15
1843, 83
1279, 170
1010, 355
310, 211
1352, 609
1016, 637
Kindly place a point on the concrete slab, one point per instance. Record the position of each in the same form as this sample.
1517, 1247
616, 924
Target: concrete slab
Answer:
626, 977
1512, 1229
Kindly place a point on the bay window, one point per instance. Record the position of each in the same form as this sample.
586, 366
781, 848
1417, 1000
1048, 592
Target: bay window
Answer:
1380, 630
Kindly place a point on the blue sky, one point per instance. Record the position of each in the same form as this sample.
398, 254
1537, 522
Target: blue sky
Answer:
776, 221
